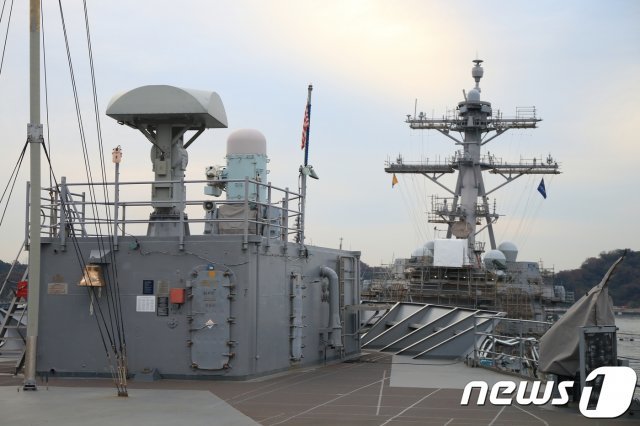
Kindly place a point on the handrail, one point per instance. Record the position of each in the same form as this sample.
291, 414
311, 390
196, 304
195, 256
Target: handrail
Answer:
65, 210
191, 181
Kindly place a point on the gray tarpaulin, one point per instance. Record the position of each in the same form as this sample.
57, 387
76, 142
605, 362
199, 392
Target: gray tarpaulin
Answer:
559, 345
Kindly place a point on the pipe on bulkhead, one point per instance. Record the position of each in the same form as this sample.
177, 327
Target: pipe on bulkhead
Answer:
334, 306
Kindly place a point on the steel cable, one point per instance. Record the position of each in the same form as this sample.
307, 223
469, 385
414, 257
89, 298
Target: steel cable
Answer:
114, 327
6, 36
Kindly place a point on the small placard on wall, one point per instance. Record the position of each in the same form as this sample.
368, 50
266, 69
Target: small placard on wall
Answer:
163, 306
147, 286
57, 288
162, 288
145, 303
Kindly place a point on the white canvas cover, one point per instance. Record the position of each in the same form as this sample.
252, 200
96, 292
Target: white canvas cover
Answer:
559, 345
235, 212
449, 253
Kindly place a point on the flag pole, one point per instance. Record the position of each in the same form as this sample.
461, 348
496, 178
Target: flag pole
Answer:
304, 170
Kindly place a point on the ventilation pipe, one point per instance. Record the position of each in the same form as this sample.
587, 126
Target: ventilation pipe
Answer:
334, 306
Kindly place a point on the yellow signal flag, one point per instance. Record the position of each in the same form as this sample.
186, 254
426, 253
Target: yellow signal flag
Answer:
394, 181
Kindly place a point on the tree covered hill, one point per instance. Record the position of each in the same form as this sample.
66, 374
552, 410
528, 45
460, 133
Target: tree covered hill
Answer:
624, 285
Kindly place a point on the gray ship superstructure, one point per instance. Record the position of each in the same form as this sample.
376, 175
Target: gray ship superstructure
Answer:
235, 292
458, 269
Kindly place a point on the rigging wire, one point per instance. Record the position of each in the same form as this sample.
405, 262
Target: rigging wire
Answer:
6, 35
114, 327
526, 210
510, 231
13, 264
12, 181
424, 143
80, 258
411, 209
117, 305
417, 201
424, 206
46, 94
102, 326
85, 152
2, 13
531, 209
535, 215
513, 194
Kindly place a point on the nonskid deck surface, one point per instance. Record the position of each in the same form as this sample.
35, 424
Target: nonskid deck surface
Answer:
374, 390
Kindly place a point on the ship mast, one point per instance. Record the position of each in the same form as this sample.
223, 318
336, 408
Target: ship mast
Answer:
468, 205
35, 138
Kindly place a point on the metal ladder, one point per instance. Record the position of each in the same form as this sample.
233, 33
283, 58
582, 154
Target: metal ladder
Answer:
347, 276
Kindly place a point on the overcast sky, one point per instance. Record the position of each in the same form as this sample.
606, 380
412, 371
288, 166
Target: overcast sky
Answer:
578, 62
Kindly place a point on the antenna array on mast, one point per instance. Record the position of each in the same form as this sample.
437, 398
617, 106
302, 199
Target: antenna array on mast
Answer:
474, 120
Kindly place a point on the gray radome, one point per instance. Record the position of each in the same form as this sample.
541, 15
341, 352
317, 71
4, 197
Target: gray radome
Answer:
494, 259
246, 141
510, 250
473, 95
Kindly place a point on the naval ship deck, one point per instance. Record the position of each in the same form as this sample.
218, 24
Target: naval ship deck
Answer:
376, 389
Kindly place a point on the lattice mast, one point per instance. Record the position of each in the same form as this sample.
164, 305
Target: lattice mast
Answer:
474, 121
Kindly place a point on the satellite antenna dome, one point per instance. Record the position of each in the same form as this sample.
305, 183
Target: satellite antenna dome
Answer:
473, 95
419, 252
509, 249
495, 260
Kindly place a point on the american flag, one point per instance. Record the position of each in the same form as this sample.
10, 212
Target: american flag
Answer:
305, 127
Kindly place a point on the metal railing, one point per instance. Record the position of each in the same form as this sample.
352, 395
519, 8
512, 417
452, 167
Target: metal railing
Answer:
67, 210
511, 344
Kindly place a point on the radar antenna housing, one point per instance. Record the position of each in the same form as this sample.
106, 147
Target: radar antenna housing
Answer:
164, 114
